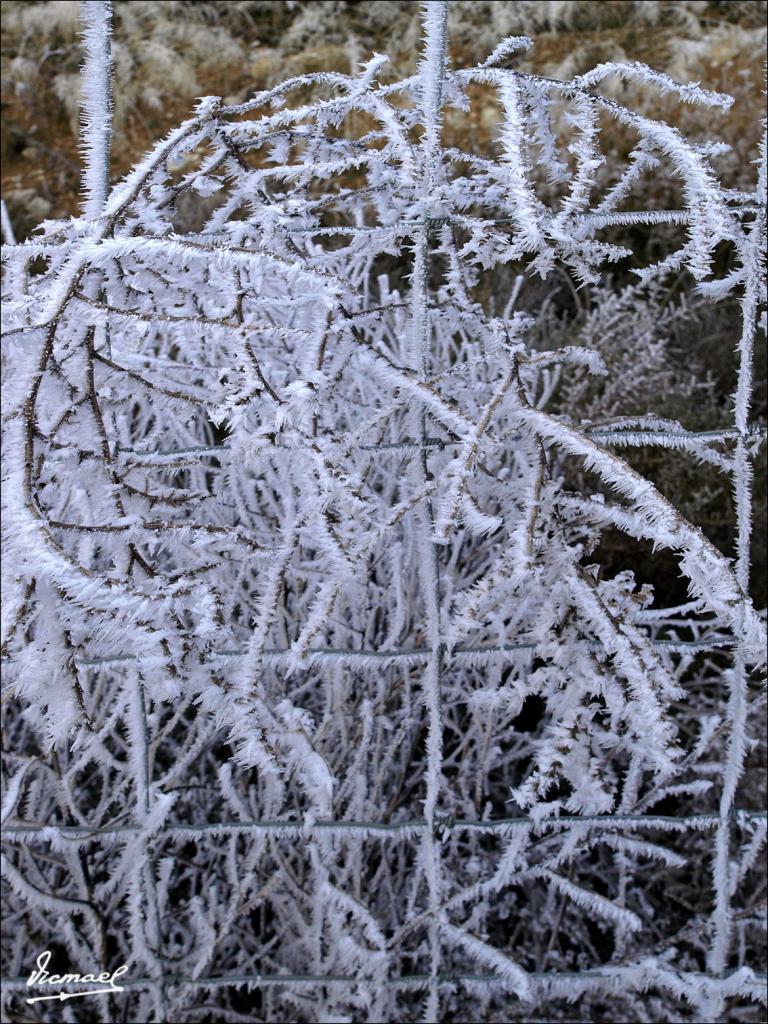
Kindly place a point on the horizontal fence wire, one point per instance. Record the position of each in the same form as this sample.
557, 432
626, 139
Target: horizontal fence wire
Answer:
608, 434
406, 227
277, 654
396, 829
413, 982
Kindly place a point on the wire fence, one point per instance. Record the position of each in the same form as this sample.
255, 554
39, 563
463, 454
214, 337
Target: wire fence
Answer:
691, 985
156, 873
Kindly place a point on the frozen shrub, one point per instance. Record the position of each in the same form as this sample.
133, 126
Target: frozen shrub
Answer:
319, 699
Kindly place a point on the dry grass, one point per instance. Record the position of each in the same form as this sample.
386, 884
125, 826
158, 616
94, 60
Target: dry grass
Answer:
169, 53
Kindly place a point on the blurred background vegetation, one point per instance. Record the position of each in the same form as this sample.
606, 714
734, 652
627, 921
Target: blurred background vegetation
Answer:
668, 350
169, 52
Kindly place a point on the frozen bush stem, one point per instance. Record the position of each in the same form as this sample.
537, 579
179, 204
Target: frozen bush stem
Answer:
96, 17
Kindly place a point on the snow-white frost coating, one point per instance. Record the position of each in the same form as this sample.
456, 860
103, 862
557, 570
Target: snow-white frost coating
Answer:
317, 693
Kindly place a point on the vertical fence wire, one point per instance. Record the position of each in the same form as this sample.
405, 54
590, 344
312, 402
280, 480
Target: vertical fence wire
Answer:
753, 265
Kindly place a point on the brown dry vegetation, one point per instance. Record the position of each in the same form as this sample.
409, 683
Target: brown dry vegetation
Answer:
169, 53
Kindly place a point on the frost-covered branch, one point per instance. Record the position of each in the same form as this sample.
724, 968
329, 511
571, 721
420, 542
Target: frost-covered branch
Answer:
320, 681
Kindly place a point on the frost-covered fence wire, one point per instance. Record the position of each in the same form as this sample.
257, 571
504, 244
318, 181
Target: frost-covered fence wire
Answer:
320, 709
